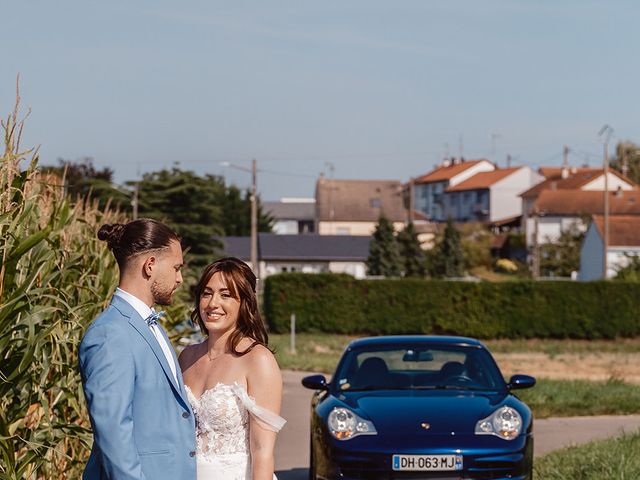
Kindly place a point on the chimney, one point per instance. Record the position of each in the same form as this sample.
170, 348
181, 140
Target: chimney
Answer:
554, 185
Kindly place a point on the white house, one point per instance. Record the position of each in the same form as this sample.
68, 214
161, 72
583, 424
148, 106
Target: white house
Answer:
558, 211
489, 196
311, 253
624, 241
292, 215
428, 189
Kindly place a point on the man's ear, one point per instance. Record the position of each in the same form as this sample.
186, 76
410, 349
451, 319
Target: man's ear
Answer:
148, 265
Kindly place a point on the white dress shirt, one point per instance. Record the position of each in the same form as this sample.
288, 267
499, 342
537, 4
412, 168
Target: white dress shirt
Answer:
144, 310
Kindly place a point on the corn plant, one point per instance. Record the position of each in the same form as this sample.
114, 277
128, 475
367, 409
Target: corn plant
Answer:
54, 278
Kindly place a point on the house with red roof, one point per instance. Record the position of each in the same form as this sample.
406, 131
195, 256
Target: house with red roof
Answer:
490, 197
429, 189
561, 210
623, 244
561, 201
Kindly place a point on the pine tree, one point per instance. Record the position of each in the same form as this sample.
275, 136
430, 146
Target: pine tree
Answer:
450, 255
384, 258
411, 254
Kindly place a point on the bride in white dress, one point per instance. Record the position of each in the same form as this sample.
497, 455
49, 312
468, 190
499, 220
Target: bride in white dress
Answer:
232, 379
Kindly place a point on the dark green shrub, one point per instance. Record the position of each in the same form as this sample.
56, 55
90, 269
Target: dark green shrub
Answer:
341, 304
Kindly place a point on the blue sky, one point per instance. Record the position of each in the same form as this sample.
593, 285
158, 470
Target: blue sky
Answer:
377, 89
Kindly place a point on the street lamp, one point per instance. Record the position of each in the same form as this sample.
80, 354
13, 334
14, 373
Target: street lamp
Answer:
254, 212
605, 133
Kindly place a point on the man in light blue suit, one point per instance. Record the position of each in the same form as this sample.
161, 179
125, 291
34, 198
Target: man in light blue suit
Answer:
143, 426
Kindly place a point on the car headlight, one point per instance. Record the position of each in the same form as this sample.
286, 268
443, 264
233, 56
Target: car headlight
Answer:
344, 424
505, 423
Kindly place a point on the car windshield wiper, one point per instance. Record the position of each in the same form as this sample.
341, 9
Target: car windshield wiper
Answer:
453, 387
367, 388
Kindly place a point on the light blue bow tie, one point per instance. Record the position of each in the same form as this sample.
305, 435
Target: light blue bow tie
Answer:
154, 317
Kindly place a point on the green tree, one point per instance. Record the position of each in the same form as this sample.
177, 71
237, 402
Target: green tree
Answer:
628, 153
82, 180
446, 258
236, 208
190, 204
384, 258
562, 257
475, 239
630, 272
411, 254
201, 209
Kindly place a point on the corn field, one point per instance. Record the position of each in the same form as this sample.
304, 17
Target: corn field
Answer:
55, 278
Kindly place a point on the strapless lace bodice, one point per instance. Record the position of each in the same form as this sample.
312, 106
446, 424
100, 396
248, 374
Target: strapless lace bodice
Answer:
222, 427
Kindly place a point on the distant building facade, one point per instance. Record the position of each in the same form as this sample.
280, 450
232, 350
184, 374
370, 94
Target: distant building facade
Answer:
311, 253
557, 203
292, 216
556, 211
624, 242
489, 197
353, 207
429, 189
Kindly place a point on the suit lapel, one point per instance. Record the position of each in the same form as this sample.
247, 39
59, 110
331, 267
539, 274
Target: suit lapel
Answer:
175, 360
138, 323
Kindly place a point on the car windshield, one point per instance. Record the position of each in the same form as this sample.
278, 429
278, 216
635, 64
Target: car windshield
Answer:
418, 368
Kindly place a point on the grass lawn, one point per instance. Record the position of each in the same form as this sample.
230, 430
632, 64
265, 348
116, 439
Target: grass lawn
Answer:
569, 398
613, 459
549, 398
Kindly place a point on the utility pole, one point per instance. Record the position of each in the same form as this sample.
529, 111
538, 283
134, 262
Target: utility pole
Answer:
508, 160
535, 264
135, 201
254, 212
254, 220
605, 133
411, 200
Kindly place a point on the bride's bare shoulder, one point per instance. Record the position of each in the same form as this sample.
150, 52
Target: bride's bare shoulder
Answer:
189, 355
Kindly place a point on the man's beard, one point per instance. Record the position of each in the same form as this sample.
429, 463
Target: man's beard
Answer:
161, 296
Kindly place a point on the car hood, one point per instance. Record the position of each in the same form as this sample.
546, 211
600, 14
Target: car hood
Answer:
445, 411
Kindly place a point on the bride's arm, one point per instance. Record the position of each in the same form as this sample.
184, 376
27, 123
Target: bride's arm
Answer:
264, 384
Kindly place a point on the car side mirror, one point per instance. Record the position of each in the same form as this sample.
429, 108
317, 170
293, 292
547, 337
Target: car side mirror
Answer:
518, 382
315, 382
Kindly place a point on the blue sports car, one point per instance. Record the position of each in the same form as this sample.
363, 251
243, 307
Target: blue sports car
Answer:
419, 407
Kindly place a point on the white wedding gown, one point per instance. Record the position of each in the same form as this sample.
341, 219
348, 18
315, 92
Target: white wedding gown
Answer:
222, 429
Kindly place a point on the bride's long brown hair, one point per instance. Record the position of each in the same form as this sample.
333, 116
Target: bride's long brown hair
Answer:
241, 283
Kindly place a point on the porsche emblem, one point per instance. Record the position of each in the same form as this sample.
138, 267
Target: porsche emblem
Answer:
425, 425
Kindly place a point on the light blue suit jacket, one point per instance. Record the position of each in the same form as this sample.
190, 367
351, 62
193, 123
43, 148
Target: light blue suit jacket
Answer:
143, 426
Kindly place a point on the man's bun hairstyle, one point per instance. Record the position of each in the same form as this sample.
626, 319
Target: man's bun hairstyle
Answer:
111, 234
136, 237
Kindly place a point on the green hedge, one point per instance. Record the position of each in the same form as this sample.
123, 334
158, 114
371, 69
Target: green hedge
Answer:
341, 304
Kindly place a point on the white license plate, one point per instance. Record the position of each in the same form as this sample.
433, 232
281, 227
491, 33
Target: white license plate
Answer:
426, 462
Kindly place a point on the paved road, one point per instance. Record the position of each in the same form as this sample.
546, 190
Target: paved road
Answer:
292, 450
